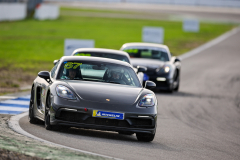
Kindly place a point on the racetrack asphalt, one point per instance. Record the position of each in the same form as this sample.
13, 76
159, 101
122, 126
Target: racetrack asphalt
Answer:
201, 121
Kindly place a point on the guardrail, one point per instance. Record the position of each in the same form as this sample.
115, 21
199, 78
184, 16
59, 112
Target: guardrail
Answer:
215, 3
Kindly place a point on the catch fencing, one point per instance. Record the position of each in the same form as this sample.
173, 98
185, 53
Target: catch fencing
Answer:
215, 3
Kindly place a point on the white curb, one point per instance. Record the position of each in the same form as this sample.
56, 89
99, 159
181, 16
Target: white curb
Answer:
13, 123
209, 44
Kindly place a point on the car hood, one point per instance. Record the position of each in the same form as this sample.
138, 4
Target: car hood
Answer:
149, 63
100, 92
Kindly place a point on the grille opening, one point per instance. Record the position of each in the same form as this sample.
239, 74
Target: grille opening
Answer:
88, 119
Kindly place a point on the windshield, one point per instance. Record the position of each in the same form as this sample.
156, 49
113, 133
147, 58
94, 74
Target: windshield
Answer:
98, 71
148, 52
105, 55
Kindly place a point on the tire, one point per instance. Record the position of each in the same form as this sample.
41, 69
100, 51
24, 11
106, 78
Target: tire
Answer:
177, 87
178, 81
170, 91
145, 137
48, 126
31, 117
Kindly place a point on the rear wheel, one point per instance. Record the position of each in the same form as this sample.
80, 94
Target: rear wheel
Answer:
31, 117
145, 137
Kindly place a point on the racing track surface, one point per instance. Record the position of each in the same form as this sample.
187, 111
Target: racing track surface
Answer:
201, 121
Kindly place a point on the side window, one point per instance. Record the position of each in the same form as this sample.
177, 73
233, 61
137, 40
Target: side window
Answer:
129, 79
53, 71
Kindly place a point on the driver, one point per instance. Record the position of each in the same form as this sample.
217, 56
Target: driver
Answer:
71, 75
116, 77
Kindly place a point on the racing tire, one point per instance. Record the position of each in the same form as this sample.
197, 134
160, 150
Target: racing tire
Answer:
170, 91
145, 137
31, 117
177, 81
48, 125
177, 87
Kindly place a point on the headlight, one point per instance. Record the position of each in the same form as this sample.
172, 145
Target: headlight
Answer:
164, 69
147, 101
64, 92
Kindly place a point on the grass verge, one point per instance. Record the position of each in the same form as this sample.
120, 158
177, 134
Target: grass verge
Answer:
29, 46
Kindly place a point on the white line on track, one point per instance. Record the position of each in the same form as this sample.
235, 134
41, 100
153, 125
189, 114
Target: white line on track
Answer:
13, 123
16, 102
7, 97
209, 44
6, 108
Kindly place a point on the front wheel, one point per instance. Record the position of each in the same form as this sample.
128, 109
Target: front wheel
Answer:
177, 87
145, 137
48, 126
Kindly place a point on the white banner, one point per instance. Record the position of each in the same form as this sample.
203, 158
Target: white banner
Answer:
13, 11
153, 34
71, 44
191, 25
46, 11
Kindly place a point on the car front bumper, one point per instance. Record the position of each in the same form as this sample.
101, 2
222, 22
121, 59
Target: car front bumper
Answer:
162, 82
83, 118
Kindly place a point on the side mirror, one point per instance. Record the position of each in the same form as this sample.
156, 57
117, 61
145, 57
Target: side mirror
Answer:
141, 69
45, 75
55, 62
177, 60
150, 85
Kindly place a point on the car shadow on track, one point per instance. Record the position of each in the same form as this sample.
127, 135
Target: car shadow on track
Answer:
92, 133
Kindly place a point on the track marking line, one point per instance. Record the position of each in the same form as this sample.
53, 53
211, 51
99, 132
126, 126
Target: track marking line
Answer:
16, 105
209, 44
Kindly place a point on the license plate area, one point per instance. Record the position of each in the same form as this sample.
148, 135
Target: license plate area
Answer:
107, 114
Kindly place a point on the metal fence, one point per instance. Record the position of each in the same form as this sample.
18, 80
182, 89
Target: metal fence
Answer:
216, 3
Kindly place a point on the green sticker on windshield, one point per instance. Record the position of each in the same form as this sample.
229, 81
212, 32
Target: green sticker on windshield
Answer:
131, 51
146, 53
73, 65
82, 54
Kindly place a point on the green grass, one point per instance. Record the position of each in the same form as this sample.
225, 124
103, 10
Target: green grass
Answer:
30, 46
97, 10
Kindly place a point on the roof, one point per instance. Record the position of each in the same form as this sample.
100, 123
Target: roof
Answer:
95, 59
101, 50
144, 44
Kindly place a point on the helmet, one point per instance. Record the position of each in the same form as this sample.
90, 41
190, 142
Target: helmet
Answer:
116, 73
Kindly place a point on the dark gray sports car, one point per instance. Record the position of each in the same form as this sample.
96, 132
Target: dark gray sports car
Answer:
95, 93
162, 68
